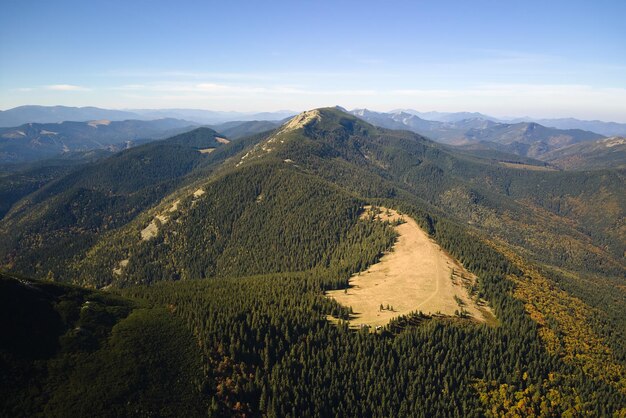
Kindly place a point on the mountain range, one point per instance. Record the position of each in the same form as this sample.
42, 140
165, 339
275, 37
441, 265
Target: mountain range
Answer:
56, 114
405, 155
597, 126
484, 135
34, 141
447, 116
603, 128
211, 256
473, 132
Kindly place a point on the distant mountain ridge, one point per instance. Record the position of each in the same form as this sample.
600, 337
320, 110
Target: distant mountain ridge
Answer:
212, 116
446, 116
35, 141
598, 126
55, 114
471, 130
52, 114
606, 128
239, 129
526, 139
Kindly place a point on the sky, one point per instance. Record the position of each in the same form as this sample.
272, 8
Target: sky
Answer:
502, 58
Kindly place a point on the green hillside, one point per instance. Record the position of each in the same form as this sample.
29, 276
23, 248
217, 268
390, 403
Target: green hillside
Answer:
261, 219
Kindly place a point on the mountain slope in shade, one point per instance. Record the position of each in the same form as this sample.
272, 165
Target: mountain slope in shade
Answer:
14, 186
604, 153
58, 340
35, 141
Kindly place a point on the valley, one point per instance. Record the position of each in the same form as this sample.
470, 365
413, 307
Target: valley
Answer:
416, 275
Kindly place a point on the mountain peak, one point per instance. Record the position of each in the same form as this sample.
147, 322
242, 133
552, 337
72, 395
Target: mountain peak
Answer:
326, 118
301, 120
321, 131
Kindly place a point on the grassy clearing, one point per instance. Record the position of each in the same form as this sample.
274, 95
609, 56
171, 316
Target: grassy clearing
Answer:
416, 276
526, 166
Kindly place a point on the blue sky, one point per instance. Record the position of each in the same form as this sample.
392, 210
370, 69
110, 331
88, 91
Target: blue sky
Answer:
505, 58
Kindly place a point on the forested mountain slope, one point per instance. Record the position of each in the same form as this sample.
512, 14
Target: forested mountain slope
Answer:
261, 219
57, 222
604, 153
503, 200
14, 186
243, 244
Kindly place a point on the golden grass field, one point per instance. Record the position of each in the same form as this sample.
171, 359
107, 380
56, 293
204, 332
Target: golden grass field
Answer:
526, 166
417, 275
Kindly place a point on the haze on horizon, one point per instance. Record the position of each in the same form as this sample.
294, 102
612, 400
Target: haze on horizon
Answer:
562, 59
